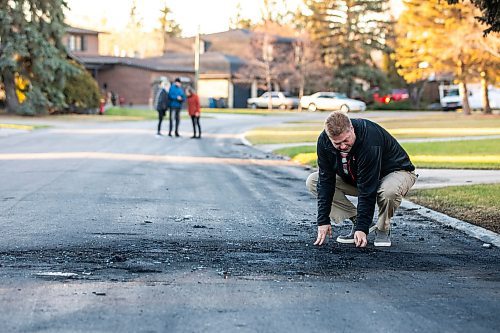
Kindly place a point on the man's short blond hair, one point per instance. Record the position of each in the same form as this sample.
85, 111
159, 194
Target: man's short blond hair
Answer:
337, 123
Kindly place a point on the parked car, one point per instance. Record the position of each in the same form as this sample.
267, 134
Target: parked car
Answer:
331, 101
395, 95
279, 99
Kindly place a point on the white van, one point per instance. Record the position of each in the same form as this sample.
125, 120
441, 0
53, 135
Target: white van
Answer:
450, 99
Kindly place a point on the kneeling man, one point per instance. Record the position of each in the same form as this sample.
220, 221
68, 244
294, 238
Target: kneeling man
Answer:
359, 158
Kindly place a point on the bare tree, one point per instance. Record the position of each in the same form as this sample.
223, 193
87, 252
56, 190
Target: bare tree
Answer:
270, 61
168, 27
310, 68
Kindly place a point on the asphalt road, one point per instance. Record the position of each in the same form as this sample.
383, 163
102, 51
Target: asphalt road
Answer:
106, 228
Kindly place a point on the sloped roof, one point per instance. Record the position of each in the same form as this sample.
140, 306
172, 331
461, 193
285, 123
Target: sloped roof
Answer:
147, 63
75, 30
210, 62
232, 42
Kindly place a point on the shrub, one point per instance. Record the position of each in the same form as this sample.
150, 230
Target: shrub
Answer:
399, 105
81, 93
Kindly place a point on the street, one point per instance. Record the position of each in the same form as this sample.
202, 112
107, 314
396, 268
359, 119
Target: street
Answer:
106, 228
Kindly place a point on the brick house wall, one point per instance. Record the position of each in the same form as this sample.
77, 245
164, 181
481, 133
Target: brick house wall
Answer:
134, 84
81, 44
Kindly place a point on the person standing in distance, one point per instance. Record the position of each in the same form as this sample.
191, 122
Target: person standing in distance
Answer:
161, 103
359, 158
177, 97
193, 102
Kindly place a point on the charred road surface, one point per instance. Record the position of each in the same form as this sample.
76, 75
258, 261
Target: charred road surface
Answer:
106, 228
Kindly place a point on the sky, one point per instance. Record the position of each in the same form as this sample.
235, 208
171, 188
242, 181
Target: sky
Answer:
210, 15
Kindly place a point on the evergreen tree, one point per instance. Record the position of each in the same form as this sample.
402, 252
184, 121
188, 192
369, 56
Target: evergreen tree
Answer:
348, 31
31, 48
490, 13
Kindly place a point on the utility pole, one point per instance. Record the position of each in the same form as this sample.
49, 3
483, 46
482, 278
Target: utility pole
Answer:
197, 59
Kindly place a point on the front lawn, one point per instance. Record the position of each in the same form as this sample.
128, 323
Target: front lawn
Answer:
22, 127
143, 114
477, 204
432, 126
259, 112
137, 114
474, 154
477, 154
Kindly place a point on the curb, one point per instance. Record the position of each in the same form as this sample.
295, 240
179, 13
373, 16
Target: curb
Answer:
245, 141
482, 234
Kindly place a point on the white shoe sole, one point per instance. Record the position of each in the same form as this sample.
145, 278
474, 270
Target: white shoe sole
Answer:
351, 240
345, 241
382, 244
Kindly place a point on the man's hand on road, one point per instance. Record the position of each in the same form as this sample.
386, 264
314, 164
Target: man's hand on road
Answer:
323, 231
360, 239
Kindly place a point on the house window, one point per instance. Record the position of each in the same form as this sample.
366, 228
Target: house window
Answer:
76, 43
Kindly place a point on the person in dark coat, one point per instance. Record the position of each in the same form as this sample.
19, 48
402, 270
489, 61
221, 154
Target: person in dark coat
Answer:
359, 158
177, 97
194, 112
161, 103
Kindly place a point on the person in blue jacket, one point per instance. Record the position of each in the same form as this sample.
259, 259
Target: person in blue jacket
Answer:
176, 97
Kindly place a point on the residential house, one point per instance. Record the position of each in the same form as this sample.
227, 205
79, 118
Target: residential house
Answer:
222, 57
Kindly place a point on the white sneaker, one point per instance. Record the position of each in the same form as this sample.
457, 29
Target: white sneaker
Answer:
382, 238
349, 238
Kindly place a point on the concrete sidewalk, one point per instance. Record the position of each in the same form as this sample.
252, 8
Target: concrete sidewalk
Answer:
430, 178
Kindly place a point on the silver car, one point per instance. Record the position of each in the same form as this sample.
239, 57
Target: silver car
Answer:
277, 99
331, 101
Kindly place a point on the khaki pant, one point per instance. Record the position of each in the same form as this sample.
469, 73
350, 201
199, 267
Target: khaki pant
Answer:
392, 188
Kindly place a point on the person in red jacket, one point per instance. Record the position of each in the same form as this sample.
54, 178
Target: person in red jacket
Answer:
194, 111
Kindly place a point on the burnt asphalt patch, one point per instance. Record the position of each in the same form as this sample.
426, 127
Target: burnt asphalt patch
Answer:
291, 258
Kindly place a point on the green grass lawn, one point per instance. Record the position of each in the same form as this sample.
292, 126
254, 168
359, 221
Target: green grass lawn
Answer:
478, 204
474, 154
137, 114
259, 112
301, 154
22, 127
477, 154
432, 126
143, 114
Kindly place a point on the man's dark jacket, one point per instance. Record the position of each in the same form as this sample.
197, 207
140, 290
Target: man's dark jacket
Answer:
374, 155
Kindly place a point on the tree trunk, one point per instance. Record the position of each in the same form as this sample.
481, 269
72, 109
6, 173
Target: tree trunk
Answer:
462, 87
484, 94
464, 93
416, 92
11, 101
269, 87
421, 92
301, 71
165, 41
301, 93
266, 56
